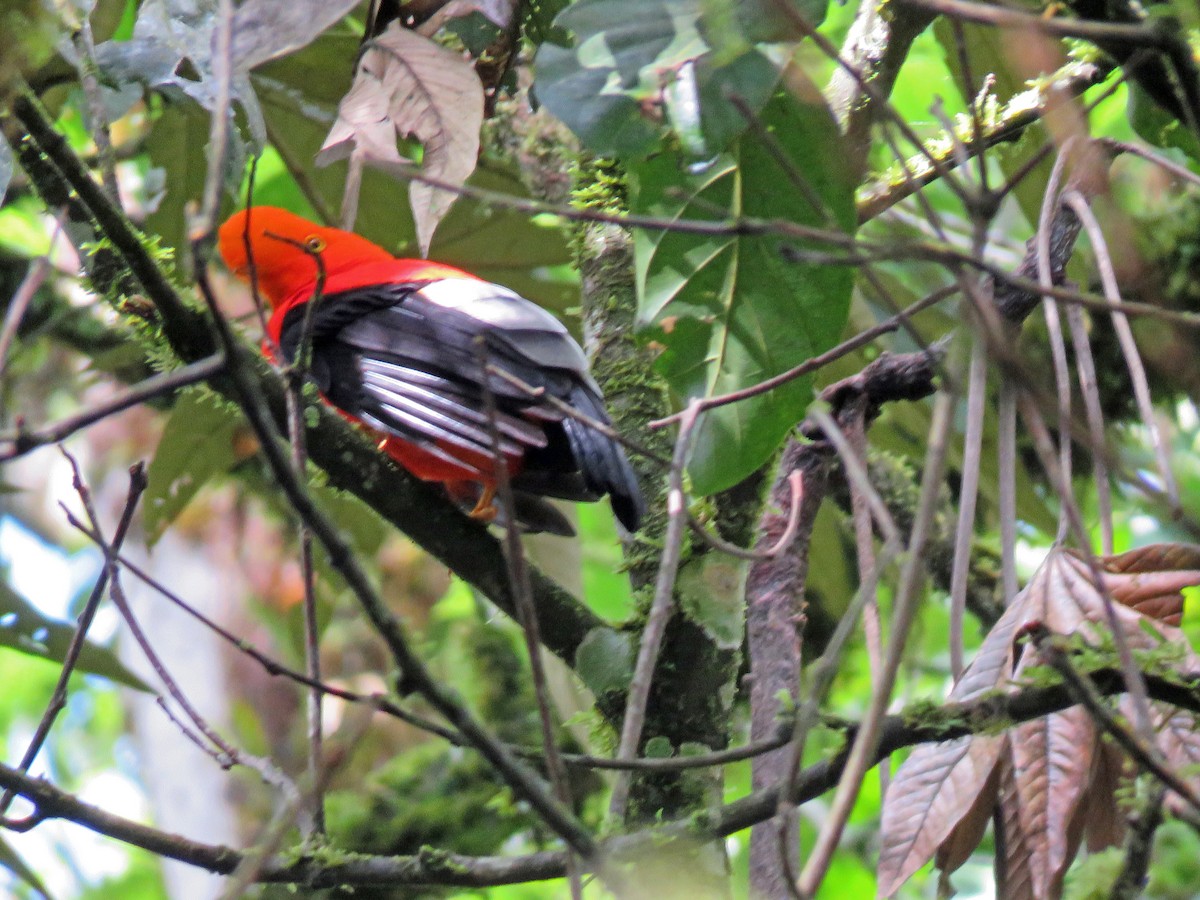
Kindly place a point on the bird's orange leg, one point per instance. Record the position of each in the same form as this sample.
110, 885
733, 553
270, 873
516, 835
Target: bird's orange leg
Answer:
485, 508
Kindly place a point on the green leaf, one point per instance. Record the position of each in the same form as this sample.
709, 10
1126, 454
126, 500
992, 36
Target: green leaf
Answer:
676, 62
1160, 128
197, 443
658, 747
11, 860
731, 311
712, 593
176, 144
596, 86
729, 24
604, 660
24, 629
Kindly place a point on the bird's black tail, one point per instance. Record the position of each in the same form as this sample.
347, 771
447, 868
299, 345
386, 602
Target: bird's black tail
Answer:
602, 460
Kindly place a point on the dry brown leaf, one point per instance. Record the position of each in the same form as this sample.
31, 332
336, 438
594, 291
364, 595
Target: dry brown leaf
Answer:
1014, 853
1104, 823
1056, 778
1179, 741
1153, 558
408, 86
498, 12
267, 29
957, 848
1052, 768
1149, 579
930, 794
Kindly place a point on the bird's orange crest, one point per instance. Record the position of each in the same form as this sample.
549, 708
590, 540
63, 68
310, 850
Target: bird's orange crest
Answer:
283, 246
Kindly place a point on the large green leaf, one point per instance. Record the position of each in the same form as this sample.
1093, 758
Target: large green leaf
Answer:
24, 629
676, 60
732, 311
596, 86
176, 144
197, 443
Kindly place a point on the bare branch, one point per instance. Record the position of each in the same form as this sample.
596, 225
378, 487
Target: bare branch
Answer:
58, 699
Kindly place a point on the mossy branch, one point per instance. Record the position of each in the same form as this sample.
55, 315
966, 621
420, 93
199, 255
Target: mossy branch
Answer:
919, 724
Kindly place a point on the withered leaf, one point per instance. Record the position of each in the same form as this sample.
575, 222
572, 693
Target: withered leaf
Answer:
957, 848
934, 790
1104, 823
498, 12
1149, 579
1014, 850
266, 29
1052, 767
1153, 558
1056, 777
1179, 741
408, 86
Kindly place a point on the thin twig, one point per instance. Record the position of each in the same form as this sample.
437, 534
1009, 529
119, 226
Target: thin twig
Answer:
861, 497
1147, 153
1006, 462
526, 611
1085, 366
58, 699
795, 482
1133, 359
22, 441
296, 377
1058, 352
968, 493
24, 294
661, 608
277, 669
863, 751
227, 754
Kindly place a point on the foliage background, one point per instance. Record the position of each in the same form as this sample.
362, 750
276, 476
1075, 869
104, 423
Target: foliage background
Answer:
726, 311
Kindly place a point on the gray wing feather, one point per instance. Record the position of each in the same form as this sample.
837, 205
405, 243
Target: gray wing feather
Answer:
520, 323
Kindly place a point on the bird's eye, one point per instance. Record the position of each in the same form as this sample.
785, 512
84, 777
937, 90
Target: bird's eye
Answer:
314, 243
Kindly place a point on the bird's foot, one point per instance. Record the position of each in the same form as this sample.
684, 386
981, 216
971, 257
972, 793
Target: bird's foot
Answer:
485, 508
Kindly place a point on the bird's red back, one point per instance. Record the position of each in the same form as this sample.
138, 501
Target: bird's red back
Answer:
280, 250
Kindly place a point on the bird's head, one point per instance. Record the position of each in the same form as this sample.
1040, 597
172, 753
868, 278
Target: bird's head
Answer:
283, 248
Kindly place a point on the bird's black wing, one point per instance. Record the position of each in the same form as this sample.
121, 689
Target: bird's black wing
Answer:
411, 360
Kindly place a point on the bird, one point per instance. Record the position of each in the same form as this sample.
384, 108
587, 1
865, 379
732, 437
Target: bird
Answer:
410, 349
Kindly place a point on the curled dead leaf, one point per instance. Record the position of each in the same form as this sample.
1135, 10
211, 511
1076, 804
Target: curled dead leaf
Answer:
408, 86
1151, 579
1053, 777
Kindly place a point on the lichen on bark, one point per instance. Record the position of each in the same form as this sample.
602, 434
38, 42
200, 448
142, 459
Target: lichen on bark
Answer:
695, 679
